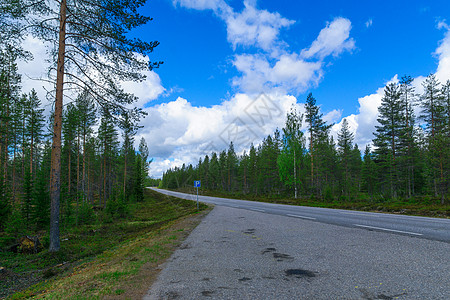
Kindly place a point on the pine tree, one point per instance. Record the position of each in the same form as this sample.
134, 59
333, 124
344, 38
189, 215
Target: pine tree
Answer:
433, 114
345, 147
387, 137
86, 113
129, 130
231, 168
34, 129
368, 176
318, 139
408, 99
90, 36
107, 135
214, 171
138, 179
144, 153
41, 200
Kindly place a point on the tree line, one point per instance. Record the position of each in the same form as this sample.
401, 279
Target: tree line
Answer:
98, 170
409, 156
91, 53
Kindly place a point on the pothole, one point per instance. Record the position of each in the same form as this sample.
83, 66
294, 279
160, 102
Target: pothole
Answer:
282, 256
300, 273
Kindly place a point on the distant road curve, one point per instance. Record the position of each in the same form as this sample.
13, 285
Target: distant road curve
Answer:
419, 227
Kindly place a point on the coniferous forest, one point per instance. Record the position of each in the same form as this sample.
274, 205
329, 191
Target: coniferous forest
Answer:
57, 169
100, 169
409, 157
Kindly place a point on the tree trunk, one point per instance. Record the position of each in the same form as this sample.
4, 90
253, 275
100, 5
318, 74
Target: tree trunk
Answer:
125, 176
31, 152
55, 176
69, 192
78, 167
83, 178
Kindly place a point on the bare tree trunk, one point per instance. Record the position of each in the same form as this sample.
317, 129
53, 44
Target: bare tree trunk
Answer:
125, 176
83, 178
70, 172
78, 167
31, 152
55, 176
5, 174
104, 180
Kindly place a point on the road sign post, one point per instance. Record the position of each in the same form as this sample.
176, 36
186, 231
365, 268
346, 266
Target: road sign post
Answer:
197, 184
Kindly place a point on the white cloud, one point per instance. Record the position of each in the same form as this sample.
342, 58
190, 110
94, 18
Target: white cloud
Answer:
332, 40
291, 71
288, 72
254, 27
199, 4
369, 23
251, 27
333, 116
443, 53
147, 90
36, 69
177, 131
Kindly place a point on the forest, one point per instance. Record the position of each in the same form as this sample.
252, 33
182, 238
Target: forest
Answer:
98, 171
409, 157
74, 163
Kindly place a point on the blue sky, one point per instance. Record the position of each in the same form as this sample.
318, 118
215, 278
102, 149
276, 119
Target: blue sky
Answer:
391, 37
221, 55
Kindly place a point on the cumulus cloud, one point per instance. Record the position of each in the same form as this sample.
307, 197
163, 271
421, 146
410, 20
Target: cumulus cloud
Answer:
443, 53
178, 129
36, 69
332, 40
250, 27
254, 27
149, 89
288, 72
366, 119
292, 71
273, 67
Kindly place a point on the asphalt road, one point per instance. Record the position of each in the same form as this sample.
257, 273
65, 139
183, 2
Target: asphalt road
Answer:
420, 227
238, 253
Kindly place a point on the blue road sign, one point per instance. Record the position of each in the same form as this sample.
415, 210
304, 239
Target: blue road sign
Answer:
197, 183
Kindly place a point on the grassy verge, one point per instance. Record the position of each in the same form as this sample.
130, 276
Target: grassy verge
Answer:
115, 260
418, 206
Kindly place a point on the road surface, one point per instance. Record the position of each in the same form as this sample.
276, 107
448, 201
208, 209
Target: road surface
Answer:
420, 227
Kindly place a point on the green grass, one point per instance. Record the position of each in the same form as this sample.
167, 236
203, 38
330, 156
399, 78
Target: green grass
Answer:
81, 245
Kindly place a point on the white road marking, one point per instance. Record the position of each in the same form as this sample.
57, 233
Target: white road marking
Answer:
301, 217
256, 209
359, 214
386, 229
